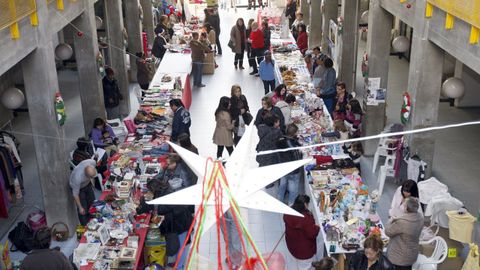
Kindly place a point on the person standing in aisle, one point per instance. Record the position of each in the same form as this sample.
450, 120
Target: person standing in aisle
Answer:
290, 12
158, 47
240, 112
269, 133
301, 233
268, 109
111, 94
258, 44
328, 89
267, 72
223, 134
238, 36
404, 233
319, 73
198, 56
286, 107
291, 181
250, 57
266, 34
211, 35
214, 20
302, 40
143, 72
181, 119
82, 188
296, 23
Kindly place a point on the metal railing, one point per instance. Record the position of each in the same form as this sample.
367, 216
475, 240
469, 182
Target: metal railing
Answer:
15, 10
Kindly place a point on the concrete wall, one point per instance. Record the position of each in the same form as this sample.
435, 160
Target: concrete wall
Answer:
407, 15
18, 49
472, 88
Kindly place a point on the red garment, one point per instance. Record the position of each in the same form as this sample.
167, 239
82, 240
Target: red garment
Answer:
302, 42
257, 39
301, 235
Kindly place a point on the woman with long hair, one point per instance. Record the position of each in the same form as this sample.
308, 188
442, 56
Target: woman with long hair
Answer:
238, 36
267, 72
302, 39
301, 233
223, 135
239, 111
354, 118
371, 257
280, 94
408, 189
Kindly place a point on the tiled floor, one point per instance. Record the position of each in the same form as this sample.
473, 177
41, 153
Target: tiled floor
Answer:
456, 159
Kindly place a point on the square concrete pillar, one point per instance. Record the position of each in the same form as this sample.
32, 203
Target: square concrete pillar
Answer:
90, 81
424, 86
315, 36
347, 43
380, 24
329, 12
116, 50
133, 24
148, 25
41, 84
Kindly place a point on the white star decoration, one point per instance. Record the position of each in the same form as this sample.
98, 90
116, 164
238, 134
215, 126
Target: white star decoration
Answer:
245, 178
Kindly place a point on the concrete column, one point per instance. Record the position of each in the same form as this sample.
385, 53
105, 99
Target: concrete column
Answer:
347, 42
305, 9
378, 49
329, 12
41, 83
424, 85
315, 36
148, 24
90, 81
134, 30
116, 50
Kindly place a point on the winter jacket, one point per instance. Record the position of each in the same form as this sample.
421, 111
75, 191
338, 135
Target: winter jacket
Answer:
214, 21
404, 233
158, 49
51, 259
360, 262
301, 235
267, 71
236, 104
268, 141
266, 38
302, 42
286, 111
290, 10
292, 155
198, 50
275, 111
111, 92
181, 123
328, 89
142, 72
239, 37
257, 39
223, 134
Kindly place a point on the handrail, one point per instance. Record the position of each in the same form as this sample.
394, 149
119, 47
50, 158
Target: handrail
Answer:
16, 11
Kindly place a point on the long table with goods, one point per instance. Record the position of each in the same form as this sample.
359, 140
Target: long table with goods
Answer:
342, 204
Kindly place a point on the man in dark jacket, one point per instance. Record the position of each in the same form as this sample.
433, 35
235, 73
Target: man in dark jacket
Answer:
290, 181
42, 257
212, 17
181, 119
269, 133
290, 11
111, 94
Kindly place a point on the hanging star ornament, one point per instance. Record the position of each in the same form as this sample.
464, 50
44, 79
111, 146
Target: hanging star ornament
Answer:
243, 176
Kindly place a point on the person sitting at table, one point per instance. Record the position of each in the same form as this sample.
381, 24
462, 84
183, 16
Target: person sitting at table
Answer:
42, 256
97, 133
181, 119
301, 233
404, 233
371, 257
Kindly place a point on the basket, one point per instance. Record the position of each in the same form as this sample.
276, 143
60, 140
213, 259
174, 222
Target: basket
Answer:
60, 232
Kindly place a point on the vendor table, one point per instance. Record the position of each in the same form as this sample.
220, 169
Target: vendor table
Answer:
141, 232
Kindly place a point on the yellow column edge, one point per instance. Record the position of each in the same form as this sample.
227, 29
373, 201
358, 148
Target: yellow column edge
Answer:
60, 5
474, 35
429, 10
449, 21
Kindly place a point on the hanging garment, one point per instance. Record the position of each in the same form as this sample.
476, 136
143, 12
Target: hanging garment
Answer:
438, 206
8, 140
460, 225
4, 204
416, 169
430, 188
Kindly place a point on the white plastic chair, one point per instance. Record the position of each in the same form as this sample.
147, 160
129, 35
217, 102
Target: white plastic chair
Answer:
438, 256
118, 127
385, 171
383, 150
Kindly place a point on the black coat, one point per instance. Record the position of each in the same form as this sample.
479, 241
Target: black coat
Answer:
214, 21
158, 49
269, 137
111, 93
360, 262
238, 103
181, 123
259, 119
290, 10
292, 155
266, 38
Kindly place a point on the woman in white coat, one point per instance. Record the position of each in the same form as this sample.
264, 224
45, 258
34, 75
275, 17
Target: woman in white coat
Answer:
408, 189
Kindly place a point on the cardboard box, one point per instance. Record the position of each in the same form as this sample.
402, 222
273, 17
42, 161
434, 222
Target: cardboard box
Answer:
209, 63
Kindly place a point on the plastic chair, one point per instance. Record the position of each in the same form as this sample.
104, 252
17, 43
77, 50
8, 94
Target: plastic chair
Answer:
118, 127
438, 256
382, 175
384, 150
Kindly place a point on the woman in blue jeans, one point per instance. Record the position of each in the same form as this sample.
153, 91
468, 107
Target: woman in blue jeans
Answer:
291, 181
328, 91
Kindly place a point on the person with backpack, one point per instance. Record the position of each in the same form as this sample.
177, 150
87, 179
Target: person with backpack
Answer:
43, 257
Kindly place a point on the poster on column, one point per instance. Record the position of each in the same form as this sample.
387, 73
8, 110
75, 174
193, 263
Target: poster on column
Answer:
375, 94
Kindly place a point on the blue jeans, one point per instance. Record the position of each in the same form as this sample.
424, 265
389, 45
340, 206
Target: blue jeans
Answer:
234, 245
197, 71
289, 182
181, 239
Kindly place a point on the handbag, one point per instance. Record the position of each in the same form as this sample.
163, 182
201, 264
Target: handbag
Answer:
231, 44
60, 232
247, 118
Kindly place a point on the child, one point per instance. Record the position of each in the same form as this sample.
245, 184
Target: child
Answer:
267, 72
106, 138
110, 143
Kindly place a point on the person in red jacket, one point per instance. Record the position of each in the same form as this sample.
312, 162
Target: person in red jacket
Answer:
258, 47
301, 233
302, 40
